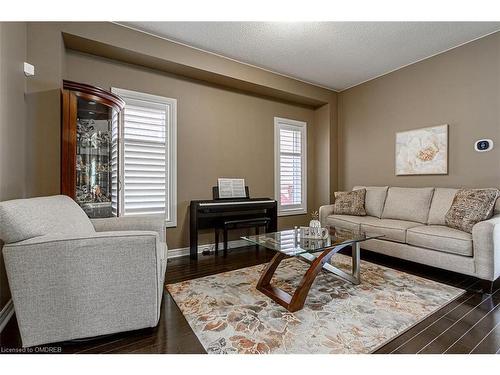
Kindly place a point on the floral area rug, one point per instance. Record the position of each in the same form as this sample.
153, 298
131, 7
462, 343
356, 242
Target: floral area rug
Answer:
229, 315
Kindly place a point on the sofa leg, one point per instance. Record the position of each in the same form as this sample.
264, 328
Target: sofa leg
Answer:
490, 287
487, 286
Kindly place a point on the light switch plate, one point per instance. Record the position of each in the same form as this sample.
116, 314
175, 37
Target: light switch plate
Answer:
29, 70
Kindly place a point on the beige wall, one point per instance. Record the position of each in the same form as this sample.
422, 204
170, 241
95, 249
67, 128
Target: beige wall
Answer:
460, 88
220, 133
334, 149
12, 122
43, 97
321, 147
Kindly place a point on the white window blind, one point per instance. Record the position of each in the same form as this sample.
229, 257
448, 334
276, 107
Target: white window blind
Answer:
148, 155
290, 166
114, 163
144, 158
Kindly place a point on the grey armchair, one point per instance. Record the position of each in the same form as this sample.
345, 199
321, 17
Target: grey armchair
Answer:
71, 277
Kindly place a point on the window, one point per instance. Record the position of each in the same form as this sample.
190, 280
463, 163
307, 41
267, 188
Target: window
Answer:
148, 154
290, 166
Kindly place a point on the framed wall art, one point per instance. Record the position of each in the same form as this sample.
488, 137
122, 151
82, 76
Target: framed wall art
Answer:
422, 151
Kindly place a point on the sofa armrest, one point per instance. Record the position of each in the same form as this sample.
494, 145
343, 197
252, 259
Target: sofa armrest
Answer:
155, 223
486, 240
324, 212
84, 284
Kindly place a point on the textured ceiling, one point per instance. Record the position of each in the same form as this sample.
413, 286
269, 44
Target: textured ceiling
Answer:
337, 55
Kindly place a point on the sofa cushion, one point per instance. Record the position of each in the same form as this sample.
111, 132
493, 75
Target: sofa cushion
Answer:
440, 238
392, 230
497, 206
410, 204
469, 207
349, 222
21, 219
374, 199
441, 203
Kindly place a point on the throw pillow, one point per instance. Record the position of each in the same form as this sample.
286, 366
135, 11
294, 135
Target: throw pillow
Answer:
469, 207
350, 203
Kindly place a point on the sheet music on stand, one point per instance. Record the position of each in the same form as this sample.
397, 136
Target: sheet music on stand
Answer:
231, 188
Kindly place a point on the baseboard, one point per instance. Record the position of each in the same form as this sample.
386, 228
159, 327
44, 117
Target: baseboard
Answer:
6, 314
183, 251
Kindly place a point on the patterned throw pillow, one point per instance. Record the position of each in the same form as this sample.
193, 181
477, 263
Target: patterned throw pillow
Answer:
469, 207
350, 203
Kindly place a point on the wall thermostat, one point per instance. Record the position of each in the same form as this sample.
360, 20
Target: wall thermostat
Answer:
483, 145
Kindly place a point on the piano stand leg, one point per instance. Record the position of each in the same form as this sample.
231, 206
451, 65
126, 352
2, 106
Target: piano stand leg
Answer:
216, 240
257, 233
225, 241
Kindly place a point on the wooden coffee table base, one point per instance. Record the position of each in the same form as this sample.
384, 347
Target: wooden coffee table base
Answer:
296, 302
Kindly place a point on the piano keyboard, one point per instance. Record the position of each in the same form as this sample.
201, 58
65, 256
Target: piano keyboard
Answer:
232, 203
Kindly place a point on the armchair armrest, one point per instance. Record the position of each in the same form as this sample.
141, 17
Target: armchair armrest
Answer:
154, 223
66, 286
486, 240
75, 238
324, 212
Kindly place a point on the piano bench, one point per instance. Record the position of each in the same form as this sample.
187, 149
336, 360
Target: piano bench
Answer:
239, 224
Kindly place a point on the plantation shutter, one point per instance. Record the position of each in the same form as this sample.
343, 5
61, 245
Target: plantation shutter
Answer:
114, 163
290, 165
145, 171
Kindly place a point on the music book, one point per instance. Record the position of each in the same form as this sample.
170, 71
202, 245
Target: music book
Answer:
231, 188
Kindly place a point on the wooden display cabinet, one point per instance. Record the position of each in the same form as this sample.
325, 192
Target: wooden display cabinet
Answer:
91, 119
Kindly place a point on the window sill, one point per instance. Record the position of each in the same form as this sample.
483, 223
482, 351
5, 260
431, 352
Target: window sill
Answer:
292, 212
170, 224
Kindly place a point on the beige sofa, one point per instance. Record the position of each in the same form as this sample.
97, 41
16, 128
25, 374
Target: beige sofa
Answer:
412, 223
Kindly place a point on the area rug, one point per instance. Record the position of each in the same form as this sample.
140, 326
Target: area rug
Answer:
229, 315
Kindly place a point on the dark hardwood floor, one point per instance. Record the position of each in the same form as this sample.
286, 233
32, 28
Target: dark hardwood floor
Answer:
469, 324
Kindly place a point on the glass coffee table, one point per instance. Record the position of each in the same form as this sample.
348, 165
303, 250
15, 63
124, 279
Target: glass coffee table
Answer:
317, 252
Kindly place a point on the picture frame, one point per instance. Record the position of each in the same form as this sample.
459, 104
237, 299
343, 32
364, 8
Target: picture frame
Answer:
422, 151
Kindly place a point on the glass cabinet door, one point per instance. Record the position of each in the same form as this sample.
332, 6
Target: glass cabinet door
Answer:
90, 154
94, 158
